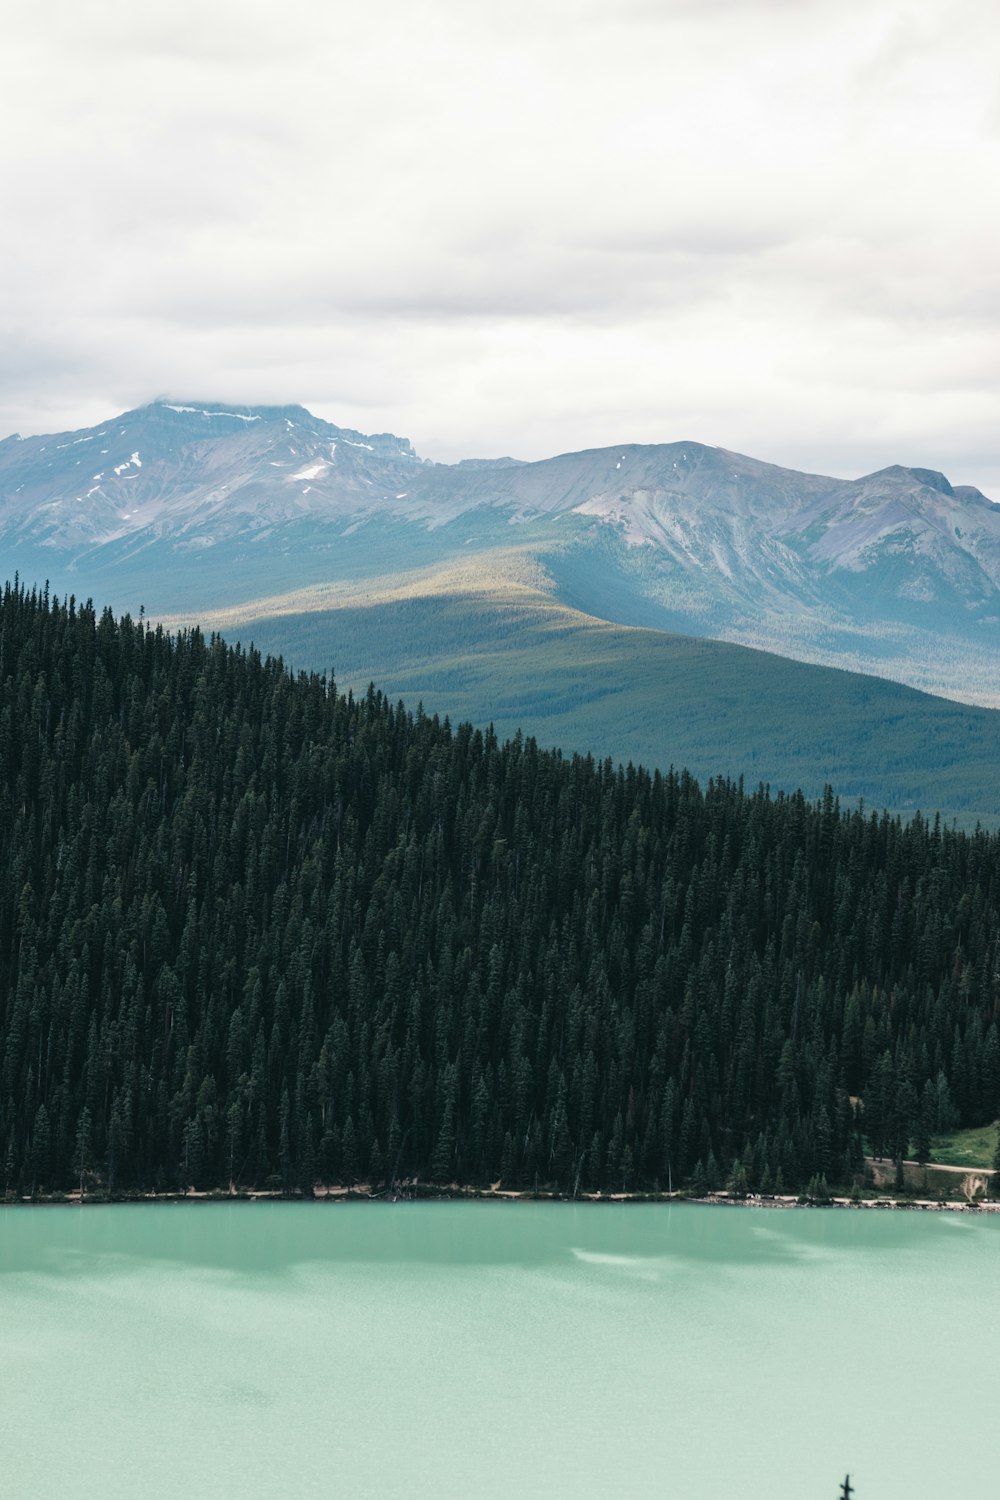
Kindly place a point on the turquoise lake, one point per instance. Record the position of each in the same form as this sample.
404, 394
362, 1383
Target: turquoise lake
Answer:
496, 1349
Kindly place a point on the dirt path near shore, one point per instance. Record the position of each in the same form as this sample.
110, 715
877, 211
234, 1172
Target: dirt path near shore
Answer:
940, 1166
934, 1166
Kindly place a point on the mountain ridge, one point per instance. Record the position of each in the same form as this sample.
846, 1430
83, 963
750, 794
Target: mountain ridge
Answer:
896, 572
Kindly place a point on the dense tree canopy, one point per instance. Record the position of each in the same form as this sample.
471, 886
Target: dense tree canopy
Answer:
254, 932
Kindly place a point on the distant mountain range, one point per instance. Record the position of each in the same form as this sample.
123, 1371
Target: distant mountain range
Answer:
896, 573
561, 596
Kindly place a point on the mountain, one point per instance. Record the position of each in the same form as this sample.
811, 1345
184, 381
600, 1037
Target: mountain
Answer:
560, 597
191, 477
178, 505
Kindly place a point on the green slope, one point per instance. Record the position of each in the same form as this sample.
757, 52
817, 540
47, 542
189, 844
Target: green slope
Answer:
641, 695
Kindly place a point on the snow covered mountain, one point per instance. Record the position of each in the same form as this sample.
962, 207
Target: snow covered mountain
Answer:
189, 506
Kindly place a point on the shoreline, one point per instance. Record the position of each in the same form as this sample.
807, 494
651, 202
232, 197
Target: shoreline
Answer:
419, 1192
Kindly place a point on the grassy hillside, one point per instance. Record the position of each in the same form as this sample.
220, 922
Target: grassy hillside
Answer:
967, 1148
514, 657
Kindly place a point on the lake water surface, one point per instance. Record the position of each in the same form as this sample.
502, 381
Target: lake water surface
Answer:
487, 1349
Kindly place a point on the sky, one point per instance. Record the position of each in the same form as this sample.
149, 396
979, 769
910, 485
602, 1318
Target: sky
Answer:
515, 228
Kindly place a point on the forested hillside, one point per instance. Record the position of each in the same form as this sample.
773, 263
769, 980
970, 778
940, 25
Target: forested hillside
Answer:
254, 932
642, 695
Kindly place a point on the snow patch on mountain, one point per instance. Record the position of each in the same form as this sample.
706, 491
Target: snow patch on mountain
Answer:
199, 411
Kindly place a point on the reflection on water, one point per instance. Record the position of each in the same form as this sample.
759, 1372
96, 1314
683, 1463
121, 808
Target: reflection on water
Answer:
492, 1350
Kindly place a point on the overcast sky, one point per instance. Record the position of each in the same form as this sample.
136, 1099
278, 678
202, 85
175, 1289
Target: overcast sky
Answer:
514, 227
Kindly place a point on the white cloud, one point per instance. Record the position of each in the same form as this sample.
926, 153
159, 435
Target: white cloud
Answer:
520, 228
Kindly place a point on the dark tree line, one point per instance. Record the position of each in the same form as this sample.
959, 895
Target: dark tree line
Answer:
254, 932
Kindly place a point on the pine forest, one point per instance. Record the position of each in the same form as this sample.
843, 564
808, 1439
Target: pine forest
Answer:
255, 933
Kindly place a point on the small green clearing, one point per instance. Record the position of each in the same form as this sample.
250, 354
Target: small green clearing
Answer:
966, 1148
